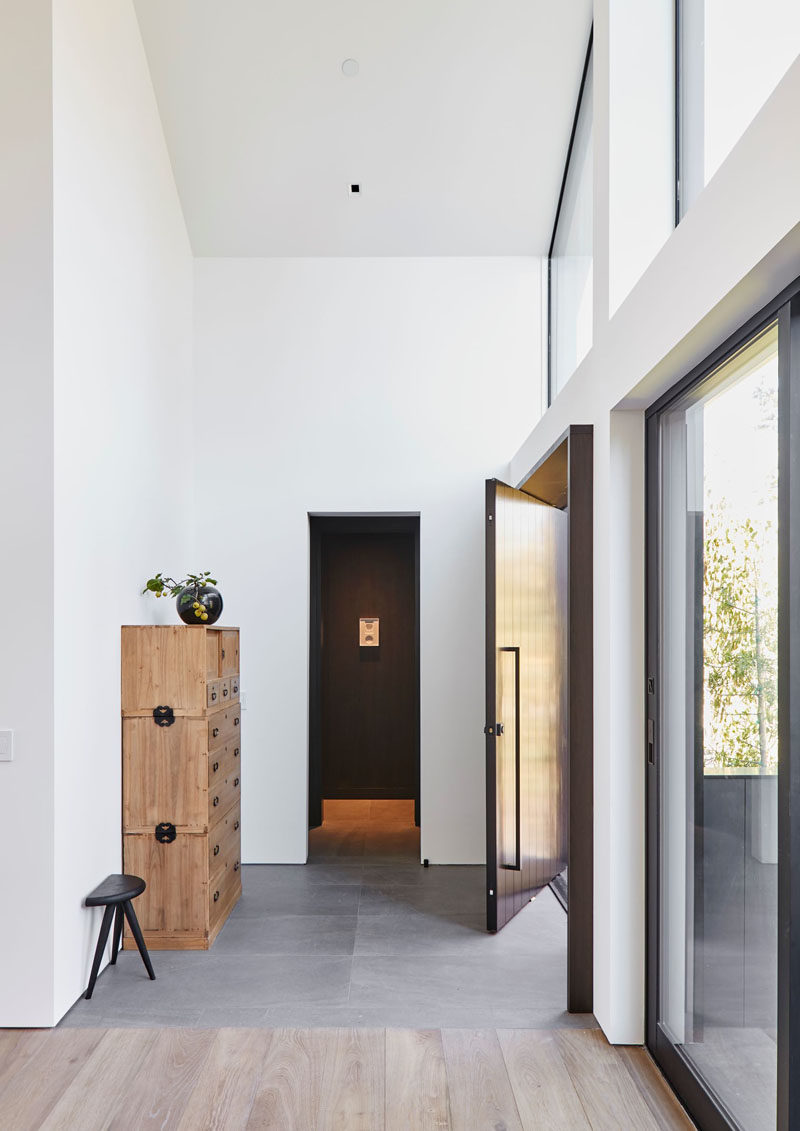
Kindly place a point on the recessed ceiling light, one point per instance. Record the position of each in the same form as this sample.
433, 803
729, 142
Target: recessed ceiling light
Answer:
350, 68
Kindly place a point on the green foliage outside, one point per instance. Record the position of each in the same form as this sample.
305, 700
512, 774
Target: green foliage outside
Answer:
740, 630
740, 624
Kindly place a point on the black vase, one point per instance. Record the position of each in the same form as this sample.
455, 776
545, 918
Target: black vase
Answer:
199, 604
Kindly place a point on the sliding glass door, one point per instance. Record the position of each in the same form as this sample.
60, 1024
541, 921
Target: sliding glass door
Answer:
719, 745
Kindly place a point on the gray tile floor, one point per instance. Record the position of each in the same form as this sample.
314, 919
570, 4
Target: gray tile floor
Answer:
361, 935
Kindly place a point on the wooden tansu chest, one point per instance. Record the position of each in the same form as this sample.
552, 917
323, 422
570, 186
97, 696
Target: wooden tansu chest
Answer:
181, 779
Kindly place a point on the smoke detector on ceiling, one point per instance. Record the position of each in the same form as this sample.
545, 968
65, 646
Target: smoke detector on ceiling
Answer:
350, 68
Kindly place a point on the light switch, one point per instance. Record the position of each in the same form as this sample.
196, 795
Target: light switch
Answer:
6, 746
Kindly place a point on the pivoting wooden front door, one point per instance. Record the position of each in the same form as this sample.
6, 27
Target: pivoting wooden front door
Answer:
526, 698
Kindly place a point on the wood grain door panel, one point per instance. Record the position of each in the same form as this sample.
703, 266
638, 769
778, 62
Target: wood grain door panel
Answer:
165, 775
526, 698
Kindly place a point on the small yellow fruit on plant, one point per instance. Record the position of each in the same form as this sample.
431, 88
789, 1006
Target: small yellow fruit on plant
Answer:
204, 616
196, 605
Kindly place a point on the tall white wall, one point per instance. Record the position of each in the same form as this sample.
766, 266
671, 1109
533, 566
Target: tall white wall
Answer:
357, 385
123, 490
26, 512
736, 248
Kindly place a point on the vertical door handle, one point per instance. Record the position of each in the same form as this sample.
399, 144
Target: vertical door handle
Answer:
516, 866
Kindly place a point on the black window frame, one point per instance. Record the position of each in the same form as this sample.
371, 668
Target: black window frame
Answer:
564, 176
701, 1104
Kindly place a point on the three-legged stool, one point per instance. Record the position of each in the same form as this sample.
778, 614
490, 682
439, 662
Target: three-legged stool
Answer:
115, 894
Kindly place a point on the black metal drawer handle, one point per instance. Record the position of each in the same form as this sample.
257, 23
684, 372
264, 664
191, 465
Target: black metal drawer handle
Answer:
216, 802
236, 866
213, 696
236, 721
236, 752
236, 689
216, 896
236, 826
215, 767
215, 732
235, 781
224, 691
216, 850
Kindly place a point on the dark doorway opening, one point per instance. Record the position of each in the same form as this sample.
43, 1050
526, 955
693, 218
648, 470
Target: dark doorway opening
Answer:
364, 660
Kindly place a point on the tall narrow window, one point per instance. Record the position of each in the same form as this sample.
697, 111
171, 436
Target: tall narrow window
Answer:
732, 54
571, 250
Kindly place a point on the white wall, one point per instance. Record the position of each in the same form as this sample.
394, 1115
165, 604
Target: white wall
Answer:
737, 247
123, 491
358, 385
26, 512
641, 141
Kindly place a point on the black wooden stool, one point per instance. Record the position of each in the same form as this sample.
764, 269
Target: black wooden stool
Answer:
116, 893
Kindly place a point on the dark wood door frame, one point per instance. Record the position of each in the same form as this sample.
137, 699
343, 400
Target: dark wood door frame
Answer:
564, 477
320, 524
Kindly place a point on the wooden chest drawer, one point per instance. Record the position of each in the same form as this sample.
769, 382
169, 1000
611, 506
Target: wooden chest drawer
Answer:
235, 688
226, 792
224, 841
223, 728
221, 899
222, 762
214, 694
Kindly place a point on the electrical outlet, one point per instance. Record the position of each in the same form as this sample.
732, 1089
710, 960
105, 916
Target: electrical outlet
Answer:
6, 746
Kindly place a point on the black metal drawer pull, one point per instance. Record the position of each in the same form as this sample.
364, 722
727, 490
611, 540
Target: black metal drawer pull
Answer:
216, 896
236, 826
216, 850
236, 721
216, 802
215, 767
236, 866
215, 732
235, 781
236, 752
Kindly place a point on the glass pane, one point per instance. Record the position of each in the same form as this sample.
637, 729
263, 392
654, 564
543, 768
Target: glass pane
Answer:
733, 55
718, 726
571, 266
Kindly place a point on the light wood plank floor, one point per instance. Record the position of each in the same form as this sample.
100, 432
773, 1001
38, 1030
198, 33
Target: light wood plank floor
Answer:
320, 1079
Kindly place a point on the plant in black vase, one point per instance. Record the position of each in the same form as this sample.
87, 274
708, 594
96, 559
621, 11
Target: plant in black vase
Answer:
197, 599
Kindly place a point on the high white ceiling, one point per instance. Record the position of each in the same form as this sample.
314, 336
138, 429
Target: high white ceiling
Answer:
456, 125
